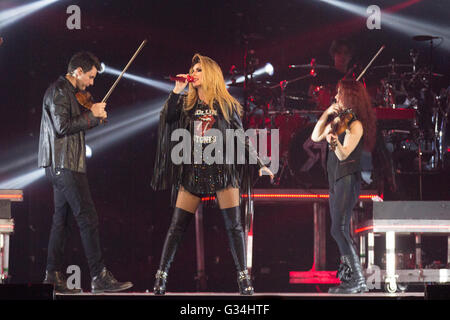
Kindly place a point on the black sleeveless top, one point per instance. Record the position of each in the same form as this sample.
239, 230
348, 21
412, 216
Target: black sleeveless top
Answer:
336, 168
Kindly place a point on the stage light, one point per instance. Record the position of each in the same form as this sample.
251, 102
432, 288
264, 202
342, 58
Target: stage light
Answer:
102, 68
269, 69
10, 16
161, 85
88, 151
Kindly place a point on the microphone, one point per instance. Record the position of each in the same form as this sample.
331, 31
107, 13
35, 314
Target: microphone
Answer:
181, 79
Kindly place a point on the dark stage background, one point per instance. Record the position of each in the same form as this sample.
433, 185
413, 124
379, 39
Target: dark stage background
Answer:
134, 218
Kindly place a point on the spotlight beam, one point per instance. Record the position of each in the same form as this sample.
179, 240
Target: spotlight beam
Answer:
125, 132
163, 86
151, 109
10, 16
18, 163
398, 22
23, 180
100, 138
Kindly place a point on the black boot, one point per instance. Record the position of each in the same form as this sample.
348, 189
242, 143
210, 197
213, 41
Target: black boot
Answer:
245, 284
159, 287
344, 273
359, 279
105, 282
233, 225
180, 221
57, 279
357, 282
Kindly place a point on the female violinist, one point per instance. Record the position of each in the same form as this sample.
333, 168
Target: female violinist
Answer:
352, 130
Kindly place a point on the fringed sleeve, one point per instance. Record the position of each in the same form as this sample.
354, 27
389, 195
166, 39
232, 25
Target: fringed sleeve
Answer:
165, 173
248, 172
249, 148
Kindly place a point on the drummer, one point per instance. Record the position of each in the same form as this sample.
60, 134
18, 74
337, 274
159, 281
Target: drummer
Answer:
323, 87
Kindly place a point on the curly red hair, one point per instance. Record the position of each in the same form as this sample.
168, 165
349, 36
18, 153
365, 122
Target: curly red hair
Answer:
354, 96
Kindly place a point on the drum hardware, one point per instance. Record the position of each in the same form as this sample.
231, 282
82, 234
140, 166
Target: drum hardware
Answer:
417, 126
393, 66
284, 83
414, 57
312, 65
306, 66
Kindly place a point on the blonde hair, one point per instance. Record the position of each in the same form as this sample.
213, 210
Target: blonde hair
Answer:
214, 88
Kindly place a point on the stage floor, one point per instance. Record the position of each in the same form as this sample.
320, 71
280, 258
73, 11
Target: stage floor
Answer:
234, 296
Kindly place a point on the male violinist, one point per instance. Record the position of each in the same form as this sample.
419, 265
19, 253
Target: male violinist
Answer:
62, 152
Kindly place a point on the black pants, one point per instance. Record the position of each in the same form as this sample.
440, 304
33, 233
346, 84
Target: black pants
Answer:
344, 194
72, 195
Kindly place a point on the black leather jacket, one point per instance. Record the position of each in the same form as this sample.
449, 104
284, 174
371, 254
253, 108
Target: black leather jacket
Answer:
61, 141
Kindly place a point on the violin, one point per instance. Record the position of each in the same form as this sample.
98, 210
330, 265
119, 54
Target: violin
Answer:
86, 100
340, 124
345, 116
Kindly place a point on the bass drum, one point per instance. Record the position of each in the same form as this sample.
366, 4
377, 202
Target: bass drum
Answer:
307, 160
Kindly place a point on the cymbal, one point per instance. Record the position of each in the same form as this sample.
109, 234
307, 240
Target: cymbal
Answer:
423, 73
395, 65
304, 98
424, 38
309, 66
265, 84
253, 84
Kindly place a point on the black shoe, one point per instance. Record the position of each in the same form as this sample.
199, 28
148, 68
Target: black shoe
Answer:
245, 284
57, 279
105, 282
160, 283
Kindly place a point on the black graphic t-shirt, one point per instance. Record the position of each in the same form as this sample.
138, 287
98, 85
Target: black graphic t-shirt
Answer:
206, 119
203, 179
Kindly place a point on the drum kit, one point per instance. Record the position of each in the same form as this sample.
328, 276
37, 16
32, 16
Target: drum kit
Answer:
412, 115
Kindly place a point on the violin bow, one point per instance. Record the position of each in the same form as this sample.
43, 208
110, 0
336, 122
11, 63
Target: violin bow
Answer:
371, 61
123, 71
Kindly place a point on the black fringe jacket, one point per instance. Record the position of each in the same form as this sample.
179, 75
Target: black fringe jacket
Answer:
168, 175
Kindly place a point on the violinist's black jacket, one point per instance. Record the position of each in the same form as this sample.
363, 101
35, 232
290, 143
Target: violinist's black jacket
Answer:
63, 122
168, 175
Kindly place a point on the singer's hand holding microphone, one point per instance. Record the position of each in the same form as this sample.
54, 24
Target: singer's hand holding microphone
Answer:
180, 84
